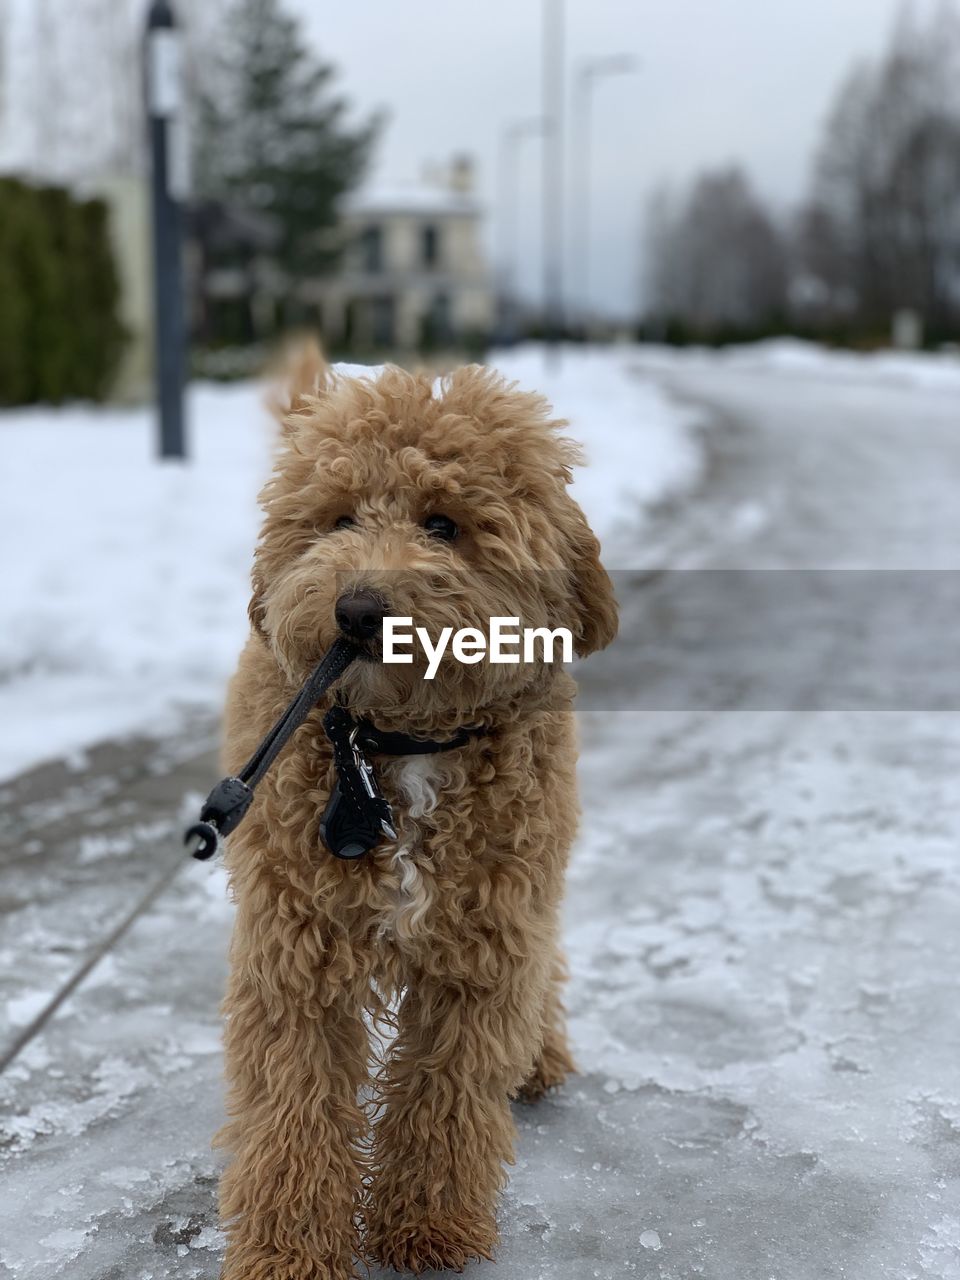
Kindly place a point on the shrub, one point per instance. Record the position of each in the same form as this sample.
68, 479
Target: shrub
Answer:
60, 335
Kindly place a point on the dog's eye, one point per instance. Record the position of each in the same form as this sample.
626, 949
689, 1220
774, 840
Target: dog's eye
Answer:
344, 522
441, 527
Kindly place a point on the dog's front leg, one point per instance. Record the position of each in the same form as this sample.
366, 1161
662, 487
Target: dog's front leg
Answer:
464, 1046
554, 1062
297, 1053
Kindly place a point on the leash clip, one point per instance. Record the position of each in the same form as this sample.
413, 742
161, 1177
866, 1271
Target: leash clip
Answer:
223, 810
369, 781
363, 765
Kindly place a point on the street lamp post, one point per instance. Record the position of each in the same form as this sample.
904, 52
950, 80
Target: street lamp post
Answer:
164, 108
553, 208
589, 73
508, 204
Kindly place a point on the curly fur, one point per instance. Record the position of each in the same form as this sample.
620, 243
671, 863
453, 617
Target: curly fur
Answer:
449, 937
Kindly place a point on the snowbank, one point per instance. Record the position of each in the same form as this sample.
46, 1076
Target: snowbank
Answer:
926, 371
126, 581
641, 447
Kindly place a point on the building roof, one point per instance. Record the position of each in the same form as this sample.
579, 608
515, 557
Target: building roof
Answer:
413, 197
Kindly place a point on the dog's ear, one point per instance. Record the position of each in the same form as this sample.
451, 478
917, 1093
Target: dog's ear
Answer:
300, 376
595, 603
255, 609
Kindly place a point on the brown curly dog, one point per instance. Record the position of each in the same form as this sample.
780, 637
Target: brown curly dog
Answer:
436, 955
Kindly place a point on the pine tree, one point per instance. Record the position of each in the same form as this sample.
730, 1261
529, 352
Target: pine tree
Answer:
272, 136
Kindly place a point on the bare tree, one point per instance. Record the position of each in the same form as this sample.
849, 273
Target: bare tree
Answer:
4, 58
717, 262
72, 82
882, 228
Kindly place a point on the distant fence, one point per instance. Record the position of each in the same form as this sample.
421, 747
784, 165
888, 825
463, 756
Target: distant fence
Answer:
60, 333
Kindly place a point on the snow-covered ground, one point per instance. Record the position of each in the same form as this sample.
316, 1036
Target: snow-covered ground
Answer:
126, 581
641, 447
924, 371
761, 926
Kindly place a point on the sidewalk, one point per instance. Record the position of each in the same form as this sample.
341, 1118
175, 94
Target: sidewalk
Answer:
109, 1109
761, 1000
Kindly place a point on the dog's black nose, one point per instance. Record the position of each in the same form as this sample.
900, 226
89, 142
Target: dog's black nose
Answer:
360, 614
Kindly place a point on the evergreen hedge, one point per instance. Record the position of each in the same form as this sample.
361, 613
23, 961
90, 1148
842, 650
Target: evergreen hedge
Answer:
60, 334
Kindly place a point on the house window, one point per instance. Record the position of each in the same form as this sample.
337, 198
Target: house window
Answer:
430, 245
371, 249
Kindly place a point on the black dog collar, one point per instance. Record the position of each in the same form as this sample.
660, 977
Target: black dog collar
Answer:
358, 816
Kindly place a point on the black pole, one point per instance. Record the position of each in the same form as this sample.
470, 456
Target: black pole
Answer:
507, 207
163, 105
580, 213
553, 210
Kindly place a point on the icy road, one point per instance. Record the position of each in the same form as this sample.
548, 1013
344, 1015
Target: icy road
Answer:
762, 927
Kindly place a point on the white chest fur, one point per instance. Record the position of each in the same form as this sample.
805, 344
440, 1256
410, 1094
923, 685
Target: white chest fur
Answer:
409, 886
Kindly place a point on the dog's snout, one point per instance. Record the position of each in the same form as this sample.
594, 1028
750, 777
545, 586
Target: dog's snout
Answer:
360, 614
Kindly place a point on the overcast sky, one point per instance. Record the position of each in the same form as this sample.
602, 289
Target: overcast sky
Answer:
718, 80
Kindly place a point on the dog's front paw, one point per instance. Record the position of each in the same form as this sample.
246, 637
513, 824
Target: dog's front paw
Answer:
552, 1068
438, 1244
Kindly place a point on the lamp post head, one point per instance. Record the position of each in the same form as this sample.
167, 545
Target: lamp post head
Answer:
161, 15
164, 90
613, 64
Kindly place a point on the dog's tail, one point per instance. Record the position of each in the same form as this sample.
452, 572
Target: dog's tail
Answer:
300, 374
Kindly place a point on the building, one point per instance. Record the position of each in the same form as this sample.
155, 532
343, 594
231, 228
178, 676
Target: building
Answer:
413, 273
128, 200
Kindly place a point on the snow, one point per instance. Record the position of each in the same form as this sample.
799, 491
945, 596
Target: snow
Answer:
641, 447
127, 580
427, 198
924, 371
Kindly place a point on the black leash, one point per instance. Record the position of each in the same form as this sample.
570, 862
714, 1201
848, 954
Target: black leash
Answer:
357, 816
228, 802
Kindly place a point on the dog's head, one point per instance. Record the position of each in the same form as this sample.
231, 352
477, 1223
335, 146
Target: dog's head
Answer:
448, 505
